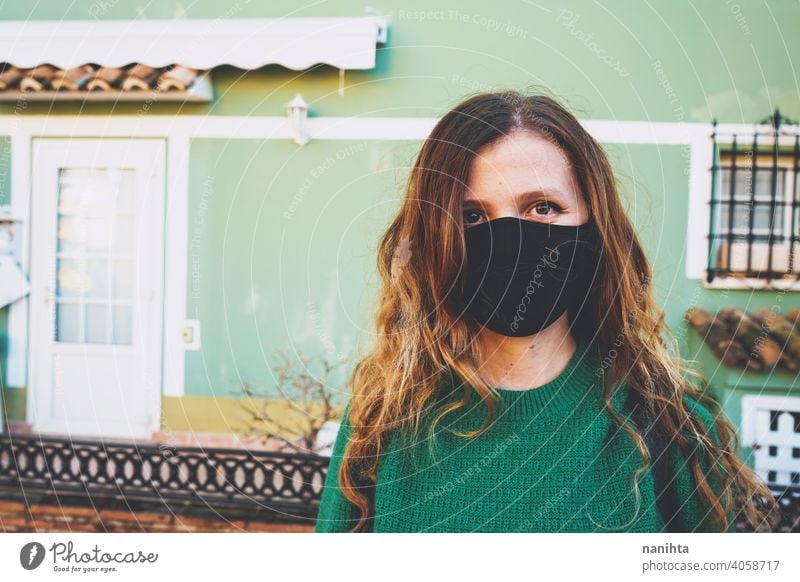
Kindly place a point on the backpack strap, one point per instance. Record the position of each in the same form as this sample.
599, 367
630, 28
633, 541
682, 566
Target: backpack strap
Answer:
666, 496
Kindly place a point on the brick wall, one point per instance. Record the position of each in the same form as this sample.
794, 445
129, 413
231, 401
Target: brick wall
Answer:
17, 516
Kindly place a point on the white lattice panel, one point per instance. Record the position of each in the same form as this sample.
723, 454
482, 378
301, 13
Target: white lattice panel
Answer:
771, 426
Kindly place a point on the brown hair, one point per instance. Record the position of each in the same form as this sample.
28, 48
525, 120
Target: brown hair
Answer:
421, 337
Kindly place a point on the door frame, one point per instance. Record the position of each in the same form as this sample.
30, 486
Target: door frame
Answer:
39, 316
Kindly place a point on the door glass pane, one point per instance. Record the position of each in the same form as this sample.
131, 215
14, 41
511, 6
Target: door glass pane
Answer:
71, 278
124, 234
97, 278
70, 200
95, 263
122, 326
67, 322
96, 323
70, 234
126, 197
123, 280
98, 233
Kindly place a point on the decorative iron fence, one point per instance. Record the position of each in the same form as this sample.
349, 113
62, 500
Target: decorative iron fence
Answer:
789, 504
276, 486
754, 229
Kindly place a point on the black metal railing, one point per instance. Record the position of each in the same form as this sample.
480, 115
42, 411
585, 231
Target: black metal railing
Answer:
272, 486
789, 505
788, 519
754, 229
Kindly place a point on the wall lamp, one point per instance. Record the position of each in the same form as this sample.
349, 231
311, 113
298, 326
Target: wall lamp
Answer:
298, 116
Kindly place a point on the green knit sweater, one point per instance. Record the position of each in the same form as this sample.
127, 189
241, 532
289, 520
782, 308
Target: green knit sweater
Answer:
544, 465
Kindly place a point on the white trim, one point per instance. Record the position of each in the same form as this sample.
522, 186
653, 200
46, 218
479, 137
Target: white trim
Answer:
247, 43
752, 403
772, 447
648, 132
701, 159
222, 127
278, 127
743, 129
175, 263
17, 338
158, 181
722, 283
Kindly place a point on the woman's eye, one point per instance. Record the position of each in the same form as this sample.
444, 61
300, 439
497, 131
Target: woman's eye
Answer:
472, 217
545, 208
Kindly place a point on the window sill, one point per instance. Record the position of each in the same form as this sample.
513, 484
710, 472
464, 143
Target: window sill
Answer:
741, 283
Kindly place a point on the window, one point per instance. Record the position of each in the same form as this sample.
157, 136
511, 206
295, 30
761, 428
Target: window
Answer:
95, 256
755, 206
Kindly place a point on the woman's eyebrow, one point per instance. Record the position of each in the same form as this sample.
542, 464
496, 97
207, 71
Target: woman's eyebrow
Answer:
549, 193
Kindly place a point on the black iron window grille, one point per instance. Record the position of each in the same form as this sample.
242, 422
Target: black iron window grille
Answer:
754, 230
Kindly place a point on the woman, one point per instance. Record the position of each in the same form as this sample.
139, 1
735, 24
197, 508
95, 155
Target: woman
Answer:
519, 353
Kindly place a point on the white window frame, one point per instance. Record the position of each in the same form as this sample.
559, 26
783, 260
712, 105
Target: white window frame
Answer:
786, 164
700, 211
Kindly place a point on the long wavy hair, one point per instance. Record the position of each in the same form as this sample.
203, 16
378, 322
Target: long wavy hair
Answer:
422, 339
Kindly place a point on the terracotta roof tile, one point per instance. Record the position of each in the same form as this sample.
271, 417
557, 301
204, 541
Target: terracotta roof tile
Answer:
90, 77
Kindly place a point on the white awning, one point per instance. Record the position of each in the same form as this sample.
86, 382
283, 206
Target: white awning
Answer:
296, 43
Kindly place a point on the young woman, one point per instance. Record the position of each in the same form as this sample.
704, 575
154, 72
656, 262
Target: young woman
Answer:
519, 354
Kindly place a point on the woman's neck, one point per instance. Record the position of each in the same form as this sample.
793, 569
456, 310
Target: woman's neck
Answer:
522, 363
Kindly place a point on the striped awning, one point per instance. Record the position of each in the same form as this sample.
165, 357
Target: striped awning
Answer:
295, 43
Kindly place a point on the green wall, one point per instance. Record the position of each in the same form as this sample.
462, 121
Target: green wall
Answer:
282, 243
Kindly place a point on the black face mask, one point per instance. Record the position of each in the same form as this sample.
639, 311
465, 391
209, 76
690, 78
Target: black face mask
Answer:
521, 275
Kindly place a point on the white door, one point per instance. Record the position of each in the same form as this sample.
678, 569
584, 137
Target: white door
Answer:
96, 286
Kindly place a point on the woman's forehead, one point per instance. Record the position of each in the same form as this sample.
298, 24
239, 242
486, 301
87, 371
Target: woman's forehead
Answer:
521, 166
